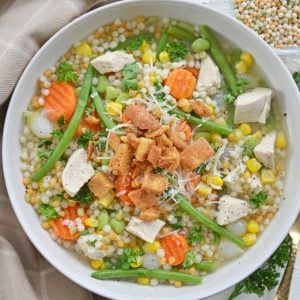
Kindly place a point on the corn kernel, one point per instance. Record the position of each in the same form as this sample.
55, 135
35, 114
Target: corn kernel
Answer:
145, 47
258, 135
114, 108
267, 176
141, 84
164, 57
178, 283
151, 247
204, 190
107, 199
238, 135
41, 186
96, 264
121, 244
249, 239
211, 109
253, 165
247, 58
241, 67
149, 57
137, 264
281, 141
185, 105
90, 222
245, 129
215, 181
253, 227
152, 78
46, 225
143, 280
232, 137
84, 49
72, 203
216, 137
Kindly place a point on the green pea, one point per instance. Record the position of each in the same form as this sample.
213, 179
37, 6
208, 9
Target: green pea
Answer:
102, 84
111, 93
200, 45
122, 98
117, 226
103, 219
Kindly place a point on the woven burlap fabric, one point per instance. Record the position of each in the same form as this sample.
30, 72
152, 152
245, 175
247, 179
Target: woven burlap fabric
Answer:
25, 25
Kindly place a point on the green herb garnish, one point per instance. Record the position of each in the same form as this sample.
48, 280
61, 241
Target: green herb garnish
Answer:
65, 73
195, 235
258, 199
84, 138
130, 256
84, 195
189, 259
176, 50
47, 211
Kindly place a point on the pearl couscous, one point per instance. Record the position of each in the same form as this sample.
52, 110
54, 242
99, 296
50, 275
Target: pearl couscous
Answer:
152, 153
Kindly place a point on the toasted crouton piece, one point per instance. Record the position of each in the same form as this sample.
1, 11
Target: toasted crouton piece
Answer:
178, 139
142, 199
154, 155
114, 141
155, 183
200, 108
154, 133
100, 185
163, 141
195, 154
122, 160
131, 139
140, 117
150, 214
170, 159
143, 148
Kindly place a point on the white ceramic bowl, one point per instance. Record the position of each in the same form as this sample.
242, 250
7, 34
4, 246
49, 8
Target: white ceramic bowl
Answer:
271, 67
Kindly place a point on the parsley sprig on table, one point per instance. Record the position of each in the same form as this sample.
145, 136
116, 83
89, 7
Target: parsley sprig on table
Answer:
266, 277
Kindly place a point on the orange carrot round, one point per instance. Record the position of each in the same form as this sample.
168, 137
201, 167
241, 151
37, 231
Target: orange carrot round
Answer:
61, 101
175, 247
182, 83
62, 231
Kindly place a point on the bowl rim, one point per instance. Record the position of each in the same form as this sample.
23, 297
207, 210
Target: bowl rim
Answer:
10, 188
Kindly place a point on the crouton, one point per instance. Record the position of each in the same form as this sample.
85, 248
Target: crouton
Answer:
140, 117
150, 214
142, 199
137, 182
155, 183
122, 160
154, 155
170, 159
100, 185
200, 108
195, 154
143, 148
154, 133
178, 139
163, 141
131, 139
114, 140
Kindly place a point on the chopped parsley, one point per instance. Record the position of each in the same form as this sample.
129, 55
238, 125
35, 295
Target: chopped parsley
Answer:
201, 169
266, 277
84, 195
258, 199
65, 73
176, 50
44, 154
130, 71
130, 256
195, 235
61, 121
178, 224
57, 133
229, 99
44, 143
189, 259
47, 211
84, 138
136, 42
89, 109
84, 232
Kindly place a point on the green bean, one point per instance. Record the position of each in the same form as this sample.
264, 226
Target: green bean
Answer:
220, 59
235, 56
103, 219
181, 33
106, 120
162, 43
207, 222
186, 26
205, 266
72, 127
206, 124
159, 274
200, 45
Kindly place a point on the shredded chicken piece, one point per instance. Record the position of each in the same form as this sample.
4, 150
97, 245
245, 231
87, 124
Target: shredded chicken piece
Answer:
155, 183
100, 185
195, 154
140, 117
122, 160
142, 199
150, 214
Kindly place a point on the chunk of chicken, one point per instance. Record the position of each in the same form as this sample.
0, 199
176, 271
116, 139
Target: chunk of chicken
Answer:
122, 160
253, 106
155, 183
100, 185
195, 154
77, 172
140, 117
112, 61
265, 150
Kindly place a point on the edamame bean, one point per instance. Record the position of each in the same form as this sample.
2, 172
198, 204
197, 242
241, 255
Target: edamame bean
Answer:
200, 45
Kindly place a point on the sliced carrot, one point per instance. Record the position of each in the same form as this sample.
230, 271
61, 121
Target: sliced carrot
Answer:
123, 183
62, 231
85, 124
194, 71
186, 129
61, 101
175, 247
182, 83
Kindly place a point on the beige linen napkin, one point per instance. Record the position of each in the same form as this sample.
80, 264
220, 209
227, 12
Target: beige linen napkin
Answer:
24, 26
